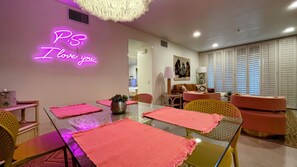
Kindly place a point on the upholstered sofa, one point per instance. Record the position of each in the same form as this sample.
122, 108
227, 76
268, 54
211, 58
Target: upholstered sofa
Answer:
194, 95
263, 115
178, 88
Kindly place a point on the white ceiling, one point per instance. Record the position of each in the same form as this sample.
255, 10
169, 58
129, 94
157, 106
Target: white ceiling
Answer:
226, 22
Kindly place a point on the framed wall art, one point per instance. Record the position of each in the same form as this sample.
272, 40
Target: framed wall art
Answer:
182, 69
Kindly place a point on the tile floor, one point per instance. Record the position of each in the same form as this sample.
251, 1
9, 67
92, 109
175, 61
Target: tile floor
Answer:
253, 152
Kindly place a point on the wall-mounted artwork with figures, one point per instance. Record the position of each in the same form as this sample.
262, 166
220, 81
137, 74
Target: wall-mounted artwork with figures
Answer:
182, 68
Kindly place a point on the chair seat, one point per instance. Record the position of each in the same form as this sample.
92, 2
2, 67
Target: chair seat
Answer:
38, 146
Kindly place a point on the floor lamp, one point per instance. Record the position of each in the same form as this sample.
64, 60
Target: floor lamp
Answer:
168, 73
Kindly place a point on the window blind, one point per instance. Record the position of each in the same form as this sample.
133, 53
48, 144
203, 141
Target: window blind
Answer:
219, 71
287, 70
229, 70
241, 70
210, 70
254, 70
269, 69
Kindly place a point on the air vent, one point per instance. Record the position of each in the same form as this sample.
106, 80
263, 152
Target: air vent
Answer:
77, 16
164, 43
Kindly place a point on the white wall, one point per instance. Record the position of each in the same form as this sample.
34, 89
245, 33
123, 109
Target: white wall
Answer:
144, 63
163, 57
132, 71
26, 25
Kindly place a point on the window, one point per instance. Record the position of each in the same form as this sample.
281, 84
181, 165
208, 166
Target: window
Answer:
269, 69
219, 71
241, 70
229, 70
287, 70
210, 70
254, 70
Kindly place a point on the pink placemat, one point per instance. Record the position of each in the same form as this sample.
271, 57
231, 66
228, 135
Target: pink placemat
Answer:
128, 143
73, 110
108, 102
189, 119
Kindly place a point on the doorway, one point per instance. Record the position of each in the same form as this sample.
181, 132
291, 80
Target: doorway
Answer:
140, 67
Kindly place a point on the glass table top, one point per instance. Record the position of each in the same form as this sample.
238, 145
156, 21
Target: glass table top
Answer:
66, 126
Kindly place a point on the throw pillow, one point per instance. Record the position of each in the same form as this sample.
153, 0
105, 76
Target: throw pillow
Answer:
184, 89
202, 88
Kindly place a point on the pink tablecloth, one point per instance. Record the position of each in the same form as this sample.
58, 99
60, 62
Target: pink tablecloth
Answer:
127, 143
73, 110
189, 119
108, 102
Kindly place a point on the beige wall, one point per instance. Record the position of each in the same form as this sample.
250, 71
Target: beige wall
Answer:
26, 25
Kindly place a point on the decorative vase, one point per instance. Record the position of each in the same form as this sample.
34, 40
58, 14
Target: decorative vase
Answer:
118, 107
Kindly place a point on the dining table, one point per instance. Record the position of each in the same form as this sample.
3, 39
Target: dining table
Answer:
67, 126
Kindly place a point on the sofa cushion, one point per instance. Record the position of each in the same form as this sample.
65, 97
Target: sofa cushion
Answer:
264, 103
190, 87
201, 88
183, 88
177, 88
266, 122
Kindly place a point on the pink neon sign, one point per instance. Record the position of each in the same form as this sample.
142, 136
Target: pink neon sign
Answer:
72, 39
69, 38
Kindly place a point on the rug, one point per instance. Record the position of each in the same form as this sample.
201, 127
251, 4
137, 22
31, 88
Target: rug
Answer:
290, 139
55, 159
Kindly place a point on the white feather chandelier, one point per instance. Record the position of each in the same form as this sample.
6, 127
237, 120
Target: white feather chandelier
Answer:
115, 10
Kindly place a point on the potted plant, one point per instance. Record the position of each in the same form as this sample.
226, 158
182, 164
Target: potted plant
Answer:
228, 95
118, 104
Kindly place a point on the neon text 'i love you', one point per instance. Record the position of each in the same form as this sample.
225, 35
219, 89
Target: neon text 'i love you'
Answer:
58, 52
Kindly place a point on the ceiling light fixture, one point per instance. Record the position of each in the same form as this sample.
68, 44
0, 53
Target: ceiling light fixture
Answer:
293, 5
289, 29
215, 45
119, 10
196, 34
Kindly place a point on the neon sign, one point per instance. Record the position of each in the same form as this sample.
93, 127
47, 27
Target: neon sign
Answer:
65, 36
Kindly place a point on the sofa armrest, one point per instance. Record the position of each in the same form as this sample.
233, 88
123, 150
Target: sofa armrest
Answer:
210, 90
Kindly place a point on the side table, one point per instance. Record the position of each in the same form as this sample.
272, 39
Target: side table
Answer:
172, 100
28, 129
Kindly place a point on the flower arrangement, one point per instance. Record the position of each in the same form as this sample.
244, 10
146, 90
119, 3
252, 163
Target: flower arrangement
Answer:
119, 98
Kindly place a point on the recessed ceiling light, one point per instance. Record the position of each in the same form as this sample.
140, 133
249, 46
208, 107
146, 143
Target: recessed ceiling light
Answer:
289, 29
215, 45
293, 5
196, 34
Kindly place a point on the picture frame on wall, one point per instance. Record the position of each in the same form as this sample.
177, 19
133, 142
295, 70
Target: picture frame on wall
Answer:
182, 68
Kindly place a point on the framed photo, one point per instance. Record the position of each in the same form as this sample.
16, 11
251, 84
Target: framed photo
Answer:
182, 69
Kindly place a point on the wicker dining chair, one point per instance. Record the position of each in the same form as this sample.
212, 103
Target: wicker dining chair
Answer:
13, 155
143, 97
212, 106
